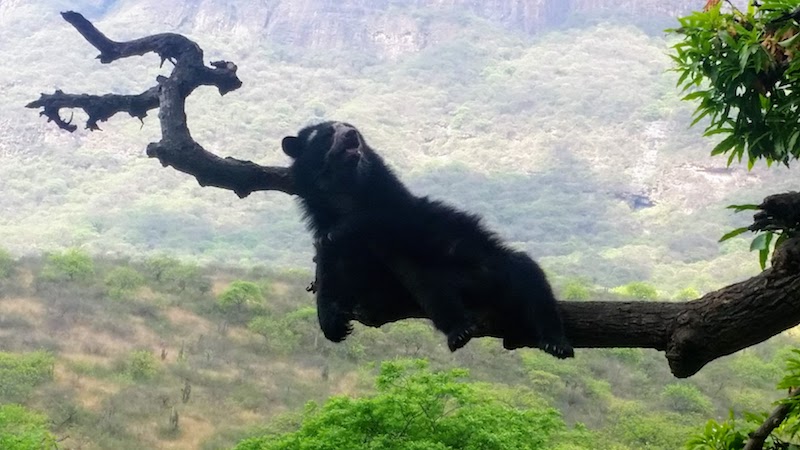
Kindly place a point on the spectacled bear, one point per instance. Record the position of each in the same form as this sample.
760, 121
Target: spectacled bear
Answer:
380, 246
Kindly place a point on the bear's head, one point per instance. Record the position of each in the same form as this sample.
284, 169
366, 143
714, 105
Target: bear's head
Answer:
329, 157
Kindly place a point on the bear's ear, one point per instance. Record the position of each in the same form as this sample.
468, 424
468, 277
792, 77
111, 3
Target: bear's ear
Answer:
292, 146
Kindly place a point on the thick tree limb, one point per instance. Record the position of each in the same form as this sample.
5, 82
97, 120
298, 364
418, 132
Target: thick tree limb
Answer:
691, 334
779, 414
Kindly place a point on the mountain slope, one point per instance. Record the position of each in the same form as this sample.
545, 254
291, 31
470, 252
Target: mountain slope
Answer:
551, 136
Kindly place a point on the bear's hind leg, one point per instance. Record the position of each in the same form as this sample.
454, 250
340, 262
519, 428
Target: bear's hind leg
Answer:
533, 298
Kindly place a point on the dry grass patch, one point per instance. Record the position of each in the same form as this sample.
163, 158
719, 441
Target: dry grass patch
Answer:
79, 338
186, 319
25, 307
346, 385
192, 429
90, 392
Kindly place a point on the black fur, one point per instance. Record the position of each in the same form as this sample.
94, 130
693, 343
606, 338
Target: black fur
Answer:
378, 244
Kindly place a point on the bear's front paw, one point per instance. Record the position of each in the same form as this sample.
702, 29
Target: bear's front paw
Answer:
513, 343
560, 350
459, 337
336, 329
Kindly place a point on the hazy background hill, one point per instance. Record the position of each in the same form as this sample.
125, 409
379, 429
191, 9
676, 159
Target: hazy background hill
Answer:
556, 120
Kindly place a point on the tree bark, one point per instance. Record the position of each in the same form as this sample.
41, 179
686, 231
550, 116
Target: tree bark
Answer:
691, 333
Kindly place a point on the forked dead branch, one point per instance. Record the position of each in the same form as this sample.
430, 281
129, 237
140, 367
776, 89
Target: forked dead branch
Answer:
691, 334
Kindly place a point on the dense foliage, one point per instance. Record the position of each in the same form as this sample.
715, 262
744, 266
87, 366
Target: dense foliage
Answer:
743, 74
742, 70
21, 429
22, 372
418, 409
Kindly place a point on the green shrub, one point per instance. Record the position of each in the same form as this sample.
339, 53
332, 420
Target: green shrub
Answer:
239, 295
185, 277
269, 328
21, 429
154, 268
688, 293
747, 367
416, 408
20, 373
685, 398
123, 282
576, 290
141, 365
641, 429
70, 265
176, 276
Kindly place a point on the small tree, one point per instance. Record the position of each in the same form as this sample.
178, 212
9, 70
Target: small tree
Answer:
21, 372
21, 429
239, 295
141, 365
685, 398
156, 267
576, 289
122, 282
174, 275
72, 265
276, 336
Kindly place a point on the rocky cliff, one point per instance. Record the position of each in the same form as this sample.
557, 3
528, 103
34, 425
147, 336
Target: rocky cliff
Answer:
386, 27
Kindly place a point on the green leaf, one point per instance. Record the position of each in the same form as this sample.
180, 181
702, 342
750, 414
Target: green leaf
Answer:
700, 117
762, 258
694, 95
759, 243
732, 234
718, 131
725, 145
739, 208
743, 59
764, 253
793, 139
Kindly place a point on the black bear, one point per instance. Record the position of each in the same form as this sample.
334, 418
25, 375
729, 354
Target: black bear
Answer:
379, 244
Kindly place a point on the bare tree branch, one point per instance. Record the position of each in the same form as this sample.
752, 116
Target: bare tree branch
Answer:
691, 334
176, 148
758, 437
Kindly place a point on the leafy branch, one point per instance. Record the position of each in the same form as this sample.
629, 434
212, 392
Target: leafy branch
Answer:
741, 70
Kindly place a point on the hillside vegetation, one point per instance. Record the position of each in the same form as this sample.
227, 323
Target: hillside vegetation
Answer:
111, 351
